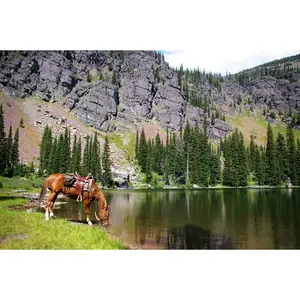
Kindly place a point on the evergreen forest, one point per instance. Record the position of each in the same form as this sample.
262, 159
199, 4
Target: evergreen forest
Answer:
189, 157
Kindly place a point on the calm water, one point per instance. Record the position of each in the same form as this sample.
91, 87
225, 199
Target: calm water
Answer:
201, 219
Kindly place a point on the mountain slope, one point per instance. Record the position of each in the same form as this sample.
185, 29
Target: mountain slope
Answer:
117, 92
113, 91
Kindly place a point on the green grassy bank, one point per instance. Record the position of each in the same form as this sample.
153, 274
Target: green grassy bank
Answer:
24, 230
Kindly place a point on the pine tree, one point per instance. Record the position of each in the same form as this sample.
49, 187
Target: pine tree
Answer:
271, 178
187, 150
166, 160
204, 151
242, 172
290, 140
47, 149
227, 162
9, 152
114, 79
51, 164
22, 123
77, 163
297, 165
157, 155
107, 176
235, 159
31, 169
68, 150
43, 149
57, 162
149, 162
172, 151
99, 169
252, 154
94, 154
282, 158
180, 161
15, 153
143, 151
3, 143
137, 144
215, 169
89, 77
85, 163
95, 159
65, 153
90, 151
74, 154
258, 167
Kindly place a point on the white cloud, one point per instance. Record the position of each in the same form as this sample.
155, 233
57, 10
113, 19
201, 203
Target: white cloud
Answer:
231, 61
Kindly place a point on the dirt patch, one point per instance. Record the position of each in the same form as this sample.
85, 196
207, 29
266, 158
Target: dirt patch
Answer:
4, 240
151, 131
250, 127
36, 115
29, 138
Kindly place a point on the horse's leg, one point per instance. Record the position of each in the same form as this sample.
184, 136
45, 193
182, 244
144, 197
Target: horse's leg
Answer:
49, 205
52, 204
87, 205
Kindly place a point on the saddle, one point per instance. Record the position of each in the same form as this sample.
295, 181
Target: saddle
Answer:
80, 184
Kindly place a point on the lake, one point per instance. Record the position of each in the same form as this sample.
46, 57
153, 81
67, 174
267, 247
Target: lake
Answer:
200, 219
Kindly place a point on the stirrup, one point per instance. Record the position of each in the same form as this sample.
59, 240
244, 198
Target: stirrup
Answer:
79, 198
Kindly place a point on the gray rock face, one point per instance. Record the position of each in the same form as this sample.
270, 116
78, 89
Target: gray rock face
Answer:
280, 94
219, 129
111, 91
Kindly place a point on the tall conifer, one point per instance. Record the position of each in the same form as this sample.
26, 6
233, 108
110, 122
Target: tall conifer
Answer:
282, 159
106, 165
270, 158
15, 153
9, 152
143, 151
290, 140
3, 143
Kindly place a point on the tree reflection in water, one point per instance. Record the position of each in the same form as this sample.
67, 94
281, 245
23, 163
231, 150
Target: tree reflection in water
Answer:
195, 237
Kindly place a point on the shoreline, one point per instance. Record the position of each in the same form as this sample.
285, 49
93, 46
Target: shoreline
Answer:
33, 204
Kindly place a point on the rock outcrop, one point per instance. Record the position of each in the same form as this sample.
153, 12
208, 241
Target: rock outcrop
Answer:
108, 90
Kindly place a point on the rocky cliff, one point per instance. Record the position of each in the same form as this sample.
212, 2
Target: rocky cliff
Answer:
117, 91
108, 90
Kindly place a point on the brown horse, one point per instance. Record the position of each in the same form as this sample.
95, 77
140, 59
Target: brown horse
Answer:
55, 184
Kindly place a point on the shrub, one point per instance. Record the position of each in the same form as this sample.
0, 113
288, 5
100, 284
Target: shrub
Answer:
37, 182
157, 181
21, 183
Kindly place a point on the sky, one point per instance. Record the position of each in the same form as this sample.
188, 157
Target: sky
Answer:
230, 62
217, 35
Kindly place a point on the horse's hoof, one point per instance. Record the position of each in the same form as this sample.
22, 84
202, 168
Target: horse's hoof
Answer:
90, 223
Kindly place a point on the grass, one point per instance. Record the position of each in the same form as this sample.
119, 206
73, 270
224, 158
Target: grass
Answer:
21, 183
258, 127
125, 142
23, 230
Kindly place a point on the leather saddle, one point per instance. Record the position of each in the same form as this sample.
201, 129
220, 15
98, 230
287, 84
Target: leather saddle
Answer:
80, 184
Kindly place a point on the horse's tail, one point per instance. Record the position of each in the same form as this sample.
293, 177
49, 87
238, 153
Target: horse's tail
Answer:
42, 193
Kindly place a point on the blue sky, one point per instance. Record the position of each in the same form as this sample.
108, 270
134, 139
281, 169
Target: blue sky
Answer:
228, 61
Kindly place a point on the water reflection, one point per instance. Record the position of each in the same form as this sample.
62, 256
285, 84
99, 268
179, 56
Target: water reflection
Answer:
202, 219
195, 237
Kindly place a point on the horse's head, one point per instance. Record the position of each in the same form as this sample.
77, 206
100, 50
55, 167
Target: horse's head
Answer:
103, 209
104, 215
